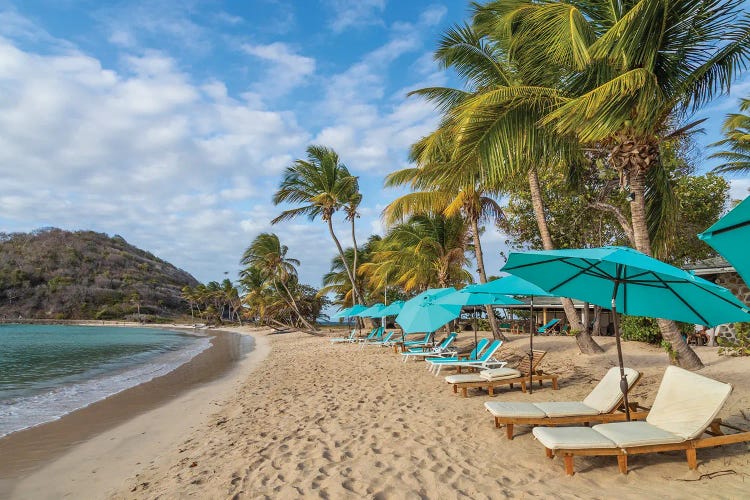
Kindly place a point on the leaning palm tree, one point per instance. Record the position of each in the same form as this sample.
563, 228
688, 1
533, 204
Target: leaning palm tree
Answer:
498, 135
322, 185
428, 250
737, 131
629, 73
268, 255
442, 186
337, 282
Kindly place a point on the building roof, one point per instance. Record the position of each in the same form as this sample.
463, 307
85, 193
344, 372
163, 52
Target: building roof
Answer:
712, 265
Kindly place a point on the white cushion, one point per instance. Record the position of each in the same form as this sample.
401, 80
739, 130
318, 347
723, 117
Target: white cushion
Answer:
464, 377
627, 434
607, 393
686, 402
566, 408
571, 438
499, 373
514, 410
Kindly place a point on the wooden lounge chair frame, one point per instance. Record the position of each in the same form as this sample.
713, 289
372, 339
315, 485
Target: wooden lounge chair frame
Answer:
637, 412
716, 438
523, 367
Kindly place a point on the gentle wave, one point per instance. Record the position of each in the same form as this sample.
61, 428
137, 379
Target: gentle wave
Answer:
24, 412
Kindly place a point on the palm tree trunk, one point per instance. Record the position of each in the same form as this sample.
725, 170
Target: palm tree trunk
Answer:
357, 296
686, 356
354, 262
585, 341
293, 304
483, 277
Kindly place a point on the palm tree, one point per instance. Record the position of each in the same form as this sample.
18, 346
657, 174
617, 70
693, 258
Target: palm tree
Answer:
630, 72
500, 135
268, 255
443, 186
428, 250
737, 130
322, 185
336, 280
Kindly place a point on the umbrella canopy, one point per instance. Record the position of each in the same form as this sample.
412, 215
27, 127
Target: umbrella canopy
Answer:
349, 311
392, 309
648, 286
422, 314
371, 312
510, 285
730, 236
468, 297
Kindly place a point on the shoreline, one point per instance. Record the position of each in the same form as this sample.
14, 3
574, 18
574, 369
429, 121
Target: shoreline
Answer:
97, 446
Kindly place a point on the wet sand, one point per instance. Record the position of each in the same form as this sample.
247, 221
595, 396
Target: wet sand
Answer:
27, 454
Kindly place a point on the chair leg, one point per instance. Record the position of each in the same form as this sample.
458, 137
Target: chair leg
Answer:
509, 431
692, 459
622, 463
569, 464
549, 453
455, 388
497, 423
554, 383
491, 390
465, 392
523, 386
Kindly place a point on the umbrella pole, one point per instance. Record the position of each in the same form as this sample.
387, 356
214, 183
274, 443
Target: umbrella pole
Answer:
531, 348
476, 342
623, 379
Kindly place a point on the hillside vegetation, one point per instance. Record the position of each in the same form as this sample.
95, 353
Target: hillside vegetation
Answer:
56, 274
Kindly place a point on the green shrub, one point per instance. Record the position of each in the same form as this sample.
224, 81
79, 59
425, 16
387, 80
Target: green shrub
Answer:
739, 348
640, 329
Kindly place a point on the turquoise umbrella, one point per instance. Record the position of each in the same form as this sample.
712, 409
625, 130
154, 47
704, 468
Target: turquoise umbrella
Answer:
513, 285
392, 309
467, 297
730, 236
352, 311
371, 312
342, 313
649, 287
422, 314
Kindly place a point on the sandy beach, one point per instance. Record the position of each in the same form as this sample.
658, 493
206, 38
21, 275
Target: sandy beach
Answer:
307, 418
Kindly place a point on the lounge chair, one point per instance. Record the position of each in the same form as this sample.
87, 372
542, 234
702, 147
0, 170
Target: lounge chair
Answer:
474, 354
351, 338
440, 350
384, 341
545, 329
496, 377
601, 405
485, 360
373, 336
685, 408
425, 341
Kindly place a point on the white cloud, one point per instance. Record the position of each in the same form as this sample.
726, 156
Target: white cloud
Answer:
143, 152
739, 189
350, 14
286, 69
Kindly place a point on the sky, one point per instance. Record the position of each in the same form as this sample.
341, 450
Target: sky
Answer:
170, 123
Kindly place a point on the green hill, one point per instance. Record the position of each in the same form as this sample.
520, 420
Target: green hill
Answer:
56, 274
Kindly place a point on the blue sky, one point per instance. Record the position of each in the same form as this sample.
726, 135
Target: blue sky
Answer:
169, 123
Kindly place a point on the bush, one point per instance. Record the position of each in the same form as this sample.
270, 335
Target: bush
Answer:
739, 348
640, 329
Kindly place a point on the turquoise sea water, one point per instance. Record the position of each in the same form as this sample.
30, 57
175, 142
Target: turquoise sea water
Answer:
47, 371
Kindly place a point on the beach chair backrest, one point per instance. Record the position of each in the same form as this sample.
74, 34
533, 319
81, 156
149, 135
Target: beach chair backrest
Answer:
448, 340
372, 333
388, 337
607, 394
549, 325
523, 365
686, 403
494, 346
478, 349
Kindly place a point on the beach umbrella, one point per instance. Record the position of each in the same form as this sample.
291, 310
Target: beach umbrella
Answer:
730, 236
518, 287
371, 312
630, 282
342, 313
422, 314
466, 297
392, 309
